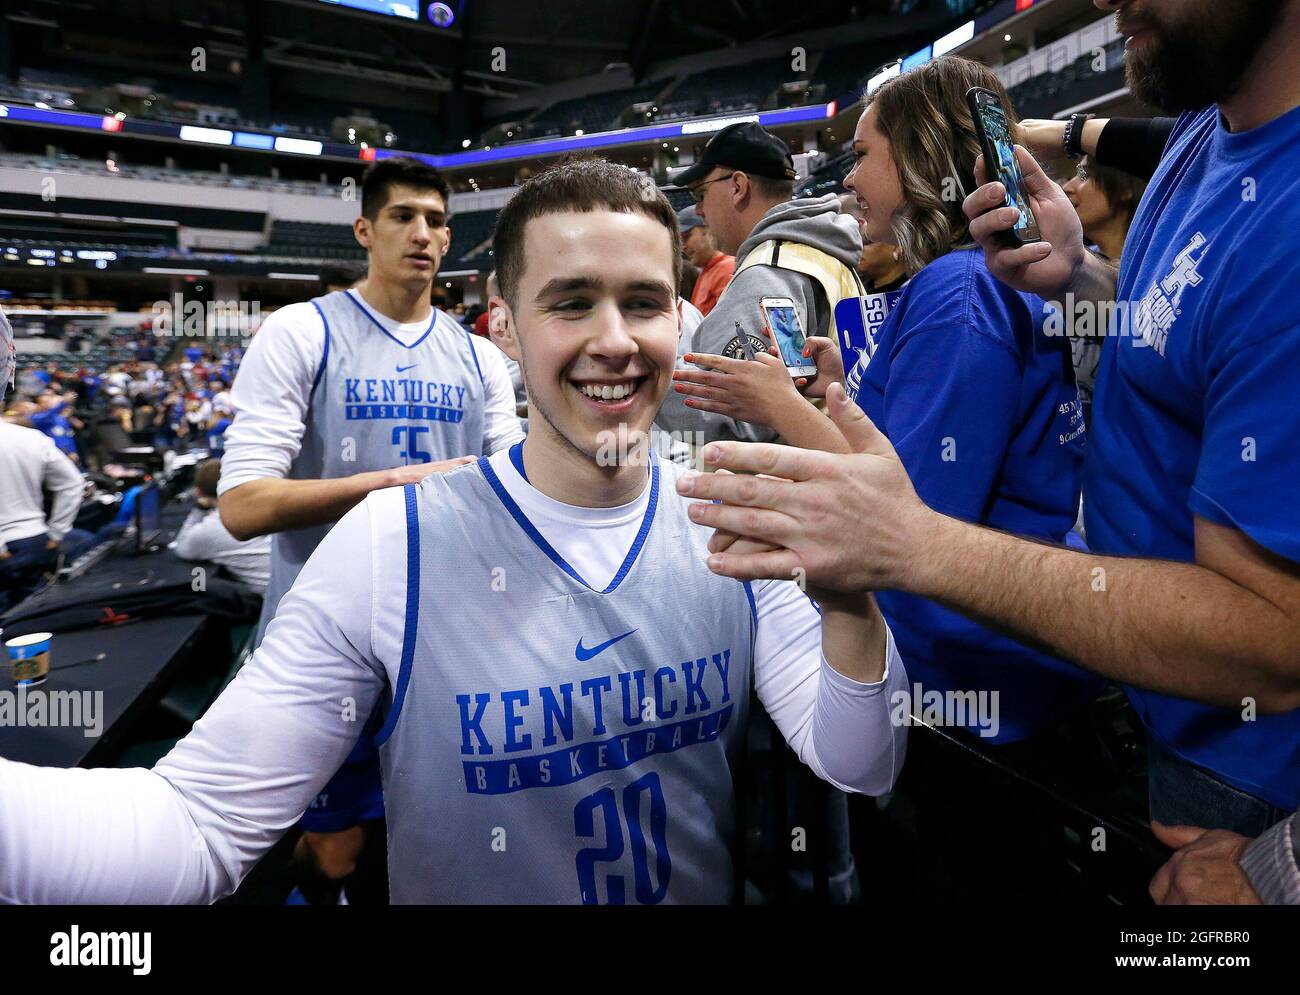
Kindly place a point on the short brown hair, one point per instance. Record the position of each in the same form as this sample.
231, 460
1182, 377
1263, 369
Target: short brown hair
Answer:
925, 117
397, 171
576, 185
206, 477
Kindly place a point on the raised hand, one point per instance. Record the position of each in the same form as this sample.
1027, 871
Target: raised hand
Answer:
747, 390
845, 523
1046, 268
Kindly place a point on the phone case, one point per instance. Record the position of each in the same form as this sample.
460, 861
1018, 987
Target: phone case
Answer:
991, 157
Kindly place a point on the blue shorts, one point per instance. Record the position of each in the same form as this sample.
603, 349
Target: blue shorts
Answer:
354, 794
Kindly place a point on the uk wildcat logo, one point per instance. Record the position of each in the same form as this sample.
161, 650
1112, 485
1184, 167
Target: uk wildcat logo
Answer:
1159, 306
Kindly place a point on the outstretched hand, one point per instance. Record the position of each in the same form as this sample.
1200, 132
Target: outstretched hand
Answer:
747, 390
846, 523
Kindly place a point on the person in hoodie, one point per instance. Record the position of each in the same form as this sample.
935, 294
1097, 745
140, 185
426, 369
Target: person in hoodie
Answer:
802, 248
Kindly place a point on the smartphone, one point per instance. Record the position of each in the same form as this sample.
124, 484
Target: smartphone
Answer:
999, 152
787, 331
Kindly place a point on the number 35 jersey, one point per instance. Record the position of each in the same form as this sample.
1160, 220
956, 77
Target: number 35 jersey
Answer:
549, 742
376, 404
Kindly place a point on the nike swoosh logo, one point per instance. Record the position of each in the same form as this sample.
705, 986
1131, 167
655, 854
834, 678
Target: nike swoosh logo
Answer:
584, 654
403, 369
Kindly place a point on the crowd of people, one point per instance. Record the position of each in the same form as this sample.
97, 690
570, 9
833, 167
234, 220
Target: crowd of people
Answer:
178, 405
921, 482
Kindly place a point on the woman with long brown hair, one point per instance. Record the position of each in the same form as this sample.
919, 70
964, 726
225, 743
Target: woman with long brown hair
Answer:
977, 399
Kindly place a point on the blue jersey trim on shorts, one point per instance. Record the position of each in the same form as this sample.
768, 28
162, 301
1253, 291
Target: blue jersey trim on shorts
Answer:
540, 541
412, 613
375, 321
325, 354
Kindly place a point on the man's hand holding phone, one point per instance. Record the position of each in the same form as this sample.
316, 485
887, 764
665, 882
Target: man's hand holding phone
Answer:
1047, 267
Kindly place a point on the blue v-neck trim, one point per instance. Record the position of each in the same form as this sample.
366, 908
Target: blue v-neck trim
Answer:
540, 541
433, 318
517, 458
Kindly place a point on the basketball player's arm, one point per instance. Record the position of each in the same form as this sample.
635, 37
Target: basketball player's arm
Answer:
273, 504
191, 828
828, 680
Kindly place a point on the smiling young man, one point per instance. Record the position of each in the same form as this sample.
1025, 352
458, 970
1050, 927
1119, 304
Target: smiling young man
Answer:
564, 683
360, 389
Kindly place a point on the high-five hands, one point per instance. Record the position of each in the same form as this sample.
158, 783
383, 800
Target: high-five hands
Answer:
847, 523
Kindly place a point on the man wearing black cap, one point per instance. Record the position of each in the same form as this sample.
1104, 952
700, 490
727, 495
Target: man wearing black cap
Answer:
804, 249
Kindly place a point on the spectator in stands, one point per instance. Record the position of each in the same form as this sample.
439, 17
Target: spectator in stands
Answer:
803, 249
204, 537
686, 282
1105, 200
54, 417
1193, 603
221, 403
31, 465
715, 266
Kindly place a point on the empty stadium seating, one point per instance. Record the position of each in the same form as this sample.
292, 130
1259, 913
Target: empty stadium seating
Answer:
304, 239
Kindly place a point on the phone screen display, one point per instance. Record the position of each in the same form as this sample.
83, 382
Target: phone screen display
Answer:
784, 322
999, 135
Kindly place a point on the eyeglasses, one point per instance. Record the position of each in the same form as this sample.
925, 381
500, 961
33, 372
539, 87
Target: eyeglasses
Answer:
697, 191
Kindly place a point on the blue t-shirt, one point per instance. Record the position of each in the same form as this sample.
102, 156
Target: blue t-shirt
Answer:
56, 425
217, 437
193, 354
1196, 408
982, 408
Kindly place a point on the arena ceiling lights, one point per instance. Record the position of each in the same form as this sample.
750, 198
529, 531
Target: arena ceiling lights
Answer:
954, 39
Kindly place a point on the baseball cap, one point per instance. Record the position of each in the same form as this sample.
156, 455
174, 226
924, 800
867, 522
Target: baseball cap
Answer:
748, 147
688, 218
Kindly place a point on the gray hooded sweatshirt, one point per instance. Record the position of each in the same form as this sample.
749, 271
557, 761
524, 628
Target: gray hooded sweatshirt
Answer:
814, 221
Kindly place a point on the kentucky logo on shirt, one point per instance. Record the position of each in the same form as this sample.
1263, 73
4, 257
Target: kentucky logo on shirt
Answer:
1156, 311
621, 717
403, 399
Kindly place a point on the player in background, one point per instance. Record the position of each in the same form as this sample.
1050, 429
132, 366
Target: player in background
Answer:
360, 389
564, 682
